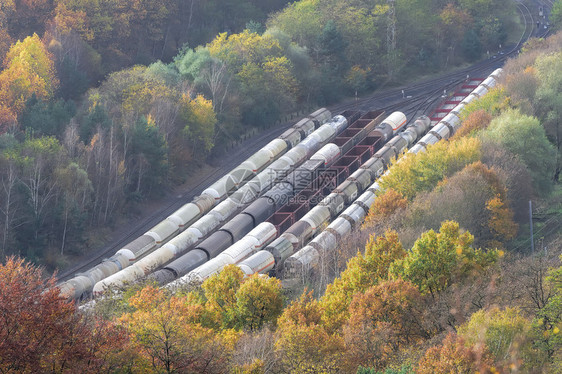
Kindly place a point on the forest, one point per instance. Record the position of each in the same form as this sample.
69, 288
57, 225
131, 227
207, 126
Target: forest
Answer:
439, 279
108, 105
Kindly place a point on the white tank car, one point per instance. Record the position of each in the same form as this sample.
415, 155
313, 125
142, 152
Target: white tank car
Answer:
261, 262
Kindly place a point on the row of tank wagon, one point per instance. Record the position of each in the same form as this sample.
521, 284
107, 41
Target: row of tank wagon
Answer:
283, 247
218, 191
207, 225
307, 258
447, 126
256, 212
82, 284
249, 252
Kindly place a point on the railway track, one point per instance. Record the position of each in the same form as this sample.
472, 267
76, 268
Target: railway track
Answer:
421, 96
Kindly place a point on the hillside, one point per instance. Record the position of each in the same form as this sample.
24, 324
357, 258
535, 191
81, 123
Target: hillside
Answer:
444, 279
446, 274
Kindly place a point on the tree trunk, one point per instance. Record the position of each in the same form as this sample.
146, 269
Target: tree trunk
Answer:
64, 230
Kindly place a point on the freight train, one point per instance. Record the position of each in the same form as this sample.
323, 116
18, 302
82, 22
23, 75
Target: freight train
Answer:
245, 249
309, 256
236, 225
244, 253
184, 219
280, 253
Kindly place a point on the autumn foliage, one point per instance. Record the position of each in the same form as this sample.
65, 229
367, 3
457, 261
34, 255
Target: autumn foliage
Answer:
385, 319
160, 330
41, 332
439, 259
475, 121
442, 160
28, 70
384, 206
454, 357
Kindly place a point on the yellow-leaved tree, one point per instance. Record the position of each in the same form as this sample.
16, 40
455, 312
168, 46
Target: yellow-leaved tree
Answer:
303, 344
166, 339
200, 120
28, 70
362, 272
422, 171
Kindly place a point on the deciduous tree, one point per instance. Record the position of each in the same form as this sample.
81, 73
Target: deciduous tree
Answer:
41, 332
159, 327
220, 291
362, 272
548, 101
439, 259
505, 333
76, 190
258, 301
525, 137
384, 206
28, 70
385, 319
454, 357
475, 121
422, 171
200, 120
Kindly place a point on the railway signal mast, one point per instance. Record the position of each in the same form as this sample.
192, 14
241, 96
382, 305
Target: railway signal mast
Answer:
391, 37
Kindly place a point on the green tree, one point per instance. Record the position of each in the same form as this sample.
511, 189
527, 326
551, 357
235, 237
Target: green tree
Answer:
555, 16
422, 171
148, 158
39, 156
209, 74
95, 119
493, 102
332, 48
525, 137
548, 101
76, 190
332, 59
47, 118
493, 31
292, 20
220, 292
438, 260
259, 300
547, 324
471, 46
11, 200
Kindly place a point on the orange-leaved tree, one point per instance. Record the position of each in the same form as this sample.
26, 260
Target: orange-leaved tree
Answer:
454, 357
41, 332
384, 320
